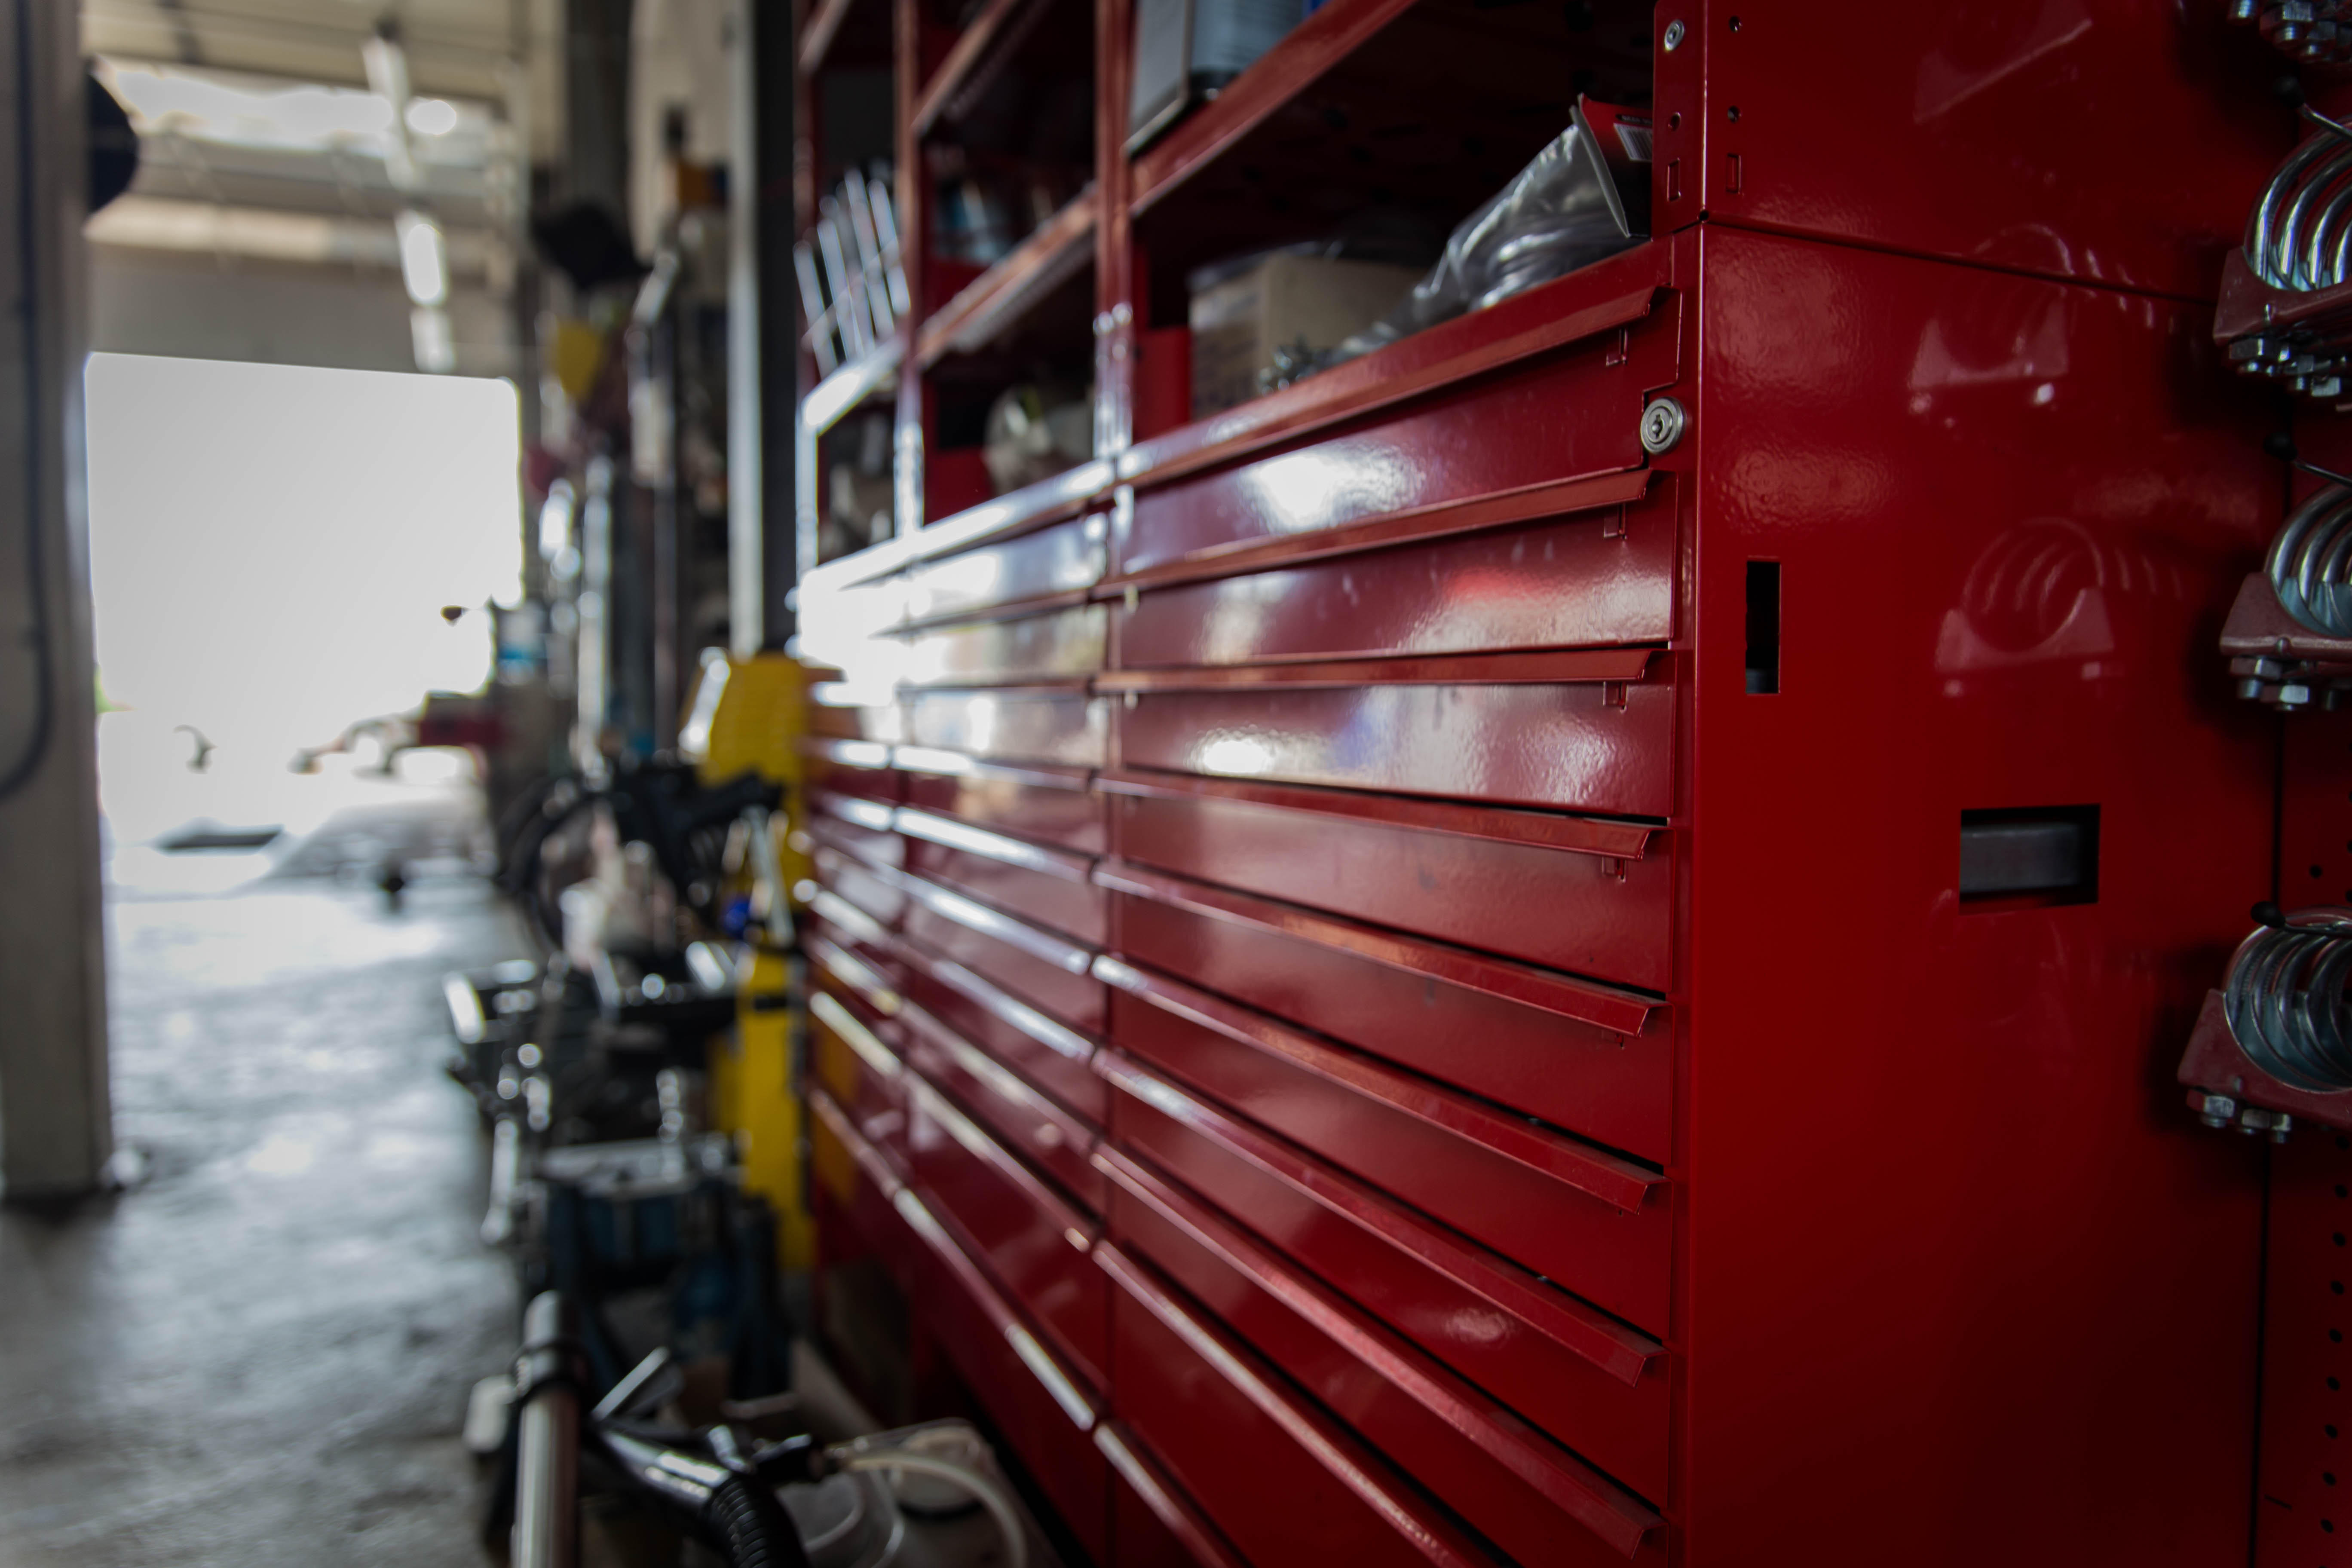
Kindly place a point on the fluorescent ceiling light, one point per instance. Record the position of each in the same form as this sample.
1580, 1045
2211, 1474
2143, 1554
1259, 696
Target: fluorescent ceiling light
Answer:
435, 344
432, 116
388, 67
238, 110
423, 257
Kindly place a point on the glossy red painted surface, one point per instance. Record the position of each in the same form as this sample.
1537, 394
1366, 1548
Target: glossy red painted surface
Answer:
1594, 746
2302, 1513
1593, 1224
1596, 1384
1152, 1523
1046, 726
857, 1180
1233, 1434
1062, 559
1495, 1030
1047, 887
1051, 647
851, 1061
1033, 1241
1935, 138
859, 886
1555, 417
1047, 970
1013, 1111
1609, 918
1049, 805
1572, 582
1508, 1482
1046, 1052
1939, 1269
1032, 1398
2020, 1193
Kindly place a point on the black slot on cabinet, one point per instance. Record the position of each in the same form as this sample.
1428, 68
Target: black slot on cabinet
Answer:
1763, 627
2033, 855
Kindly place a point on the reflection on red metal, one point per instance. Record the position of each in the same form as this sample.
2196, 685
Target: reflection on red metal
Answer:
1452, 912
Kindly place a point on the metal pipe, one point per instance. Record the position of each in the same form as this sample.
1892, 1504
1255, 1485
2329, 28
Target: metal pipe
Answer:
547, 1463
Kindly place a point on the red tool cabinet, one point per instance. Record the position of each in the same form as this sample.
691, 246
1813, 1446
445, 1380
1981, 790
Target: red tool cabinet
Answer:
1388, 967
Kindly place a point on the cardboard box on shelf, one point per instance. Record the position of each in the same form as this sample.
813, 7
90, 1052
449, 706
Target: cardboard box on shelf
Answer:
1301, 305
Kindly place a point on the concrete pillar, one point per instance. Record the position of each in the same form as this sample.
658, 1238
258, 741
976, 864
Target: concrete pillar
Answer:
55, 1131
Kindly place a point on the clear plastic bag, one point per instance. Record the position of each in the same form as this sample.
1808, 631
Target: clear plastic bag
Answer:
1585, 196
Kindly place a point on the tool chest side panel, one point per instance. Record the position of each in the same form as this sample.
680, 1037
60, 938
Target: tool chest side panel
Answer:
1935, 1246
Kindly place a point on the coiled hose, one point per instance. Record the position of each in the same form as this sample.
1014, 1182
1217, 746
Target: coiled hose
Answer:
2287, 1001
745, 1521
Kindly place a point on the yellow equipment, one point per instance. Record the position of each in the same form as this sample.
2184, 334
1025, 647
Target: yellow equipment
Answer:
747, 716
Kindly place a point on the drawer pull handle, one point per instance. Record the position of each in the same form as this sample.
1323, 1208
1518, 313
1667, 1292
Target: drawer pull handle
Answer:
839, 911
974, 1141
1610, 668
1613, 1181
1059, 1384
860, 813
1584, 1331
953, 835
1587, 1002
1053, 1126
849, 754
1167, 1504
1054, 1037
876, 991
1608, 838
878, 1057
1331, 1446
870, 1160
933, 761
1584, 1493
989, 922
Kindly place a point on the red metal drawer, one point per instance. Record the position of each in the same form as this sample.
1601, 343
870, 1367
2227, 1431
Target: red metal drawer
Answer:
1013, 1111
1043, 1409
1592, 1059
866, 888
833, 920
860, 1180
1567, 414
1603, 576
1282, 1480
1052, 725
854, 768
1461, 873
1591, 1222
1593, 1382
1035, 1241
1034, 966
1152, 1523
842, 712
1586, 731
1055, 646
852, 1063
1046, 1051
1053, 805
1508, 1481
1066, 559
1050, 887
862, 827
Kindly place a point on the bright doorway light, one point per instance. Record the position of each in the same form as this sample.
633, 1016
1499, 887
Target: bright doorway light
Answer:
272, 546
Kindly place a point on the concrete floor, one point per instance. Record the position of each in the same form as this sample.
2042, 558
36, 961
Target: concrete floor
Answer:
260, 1355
